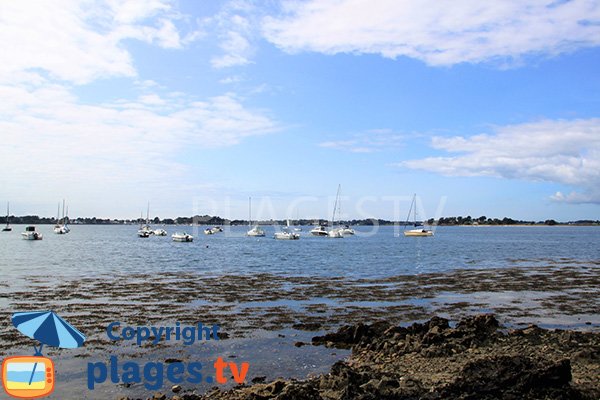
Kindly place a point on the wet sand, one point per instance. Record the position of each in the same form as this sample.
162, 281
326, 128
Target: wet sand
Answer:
562, 294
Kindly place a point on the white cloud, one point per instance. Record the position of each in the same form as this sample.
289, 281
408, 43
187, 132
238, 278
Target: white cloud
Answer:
52, 142
438, 33
235, 26
560, 151
371, 141
79, 41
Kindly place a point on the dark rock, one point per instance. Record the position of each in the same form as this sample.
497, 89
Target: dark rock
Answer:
518, 376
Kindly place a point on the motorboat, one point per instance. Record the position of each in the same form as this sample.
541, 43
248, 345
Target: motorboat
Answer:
255, 231
418, 228
7, 228
346, 230
319, 231
31, 234
286, 234
213, 230
160, 232
182, 237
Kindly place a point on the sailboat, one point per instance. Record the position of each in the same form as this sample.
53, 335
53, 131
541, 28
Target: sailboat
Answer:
145, 230
61, 227
255, 231
7, 228
335, 232
418, 228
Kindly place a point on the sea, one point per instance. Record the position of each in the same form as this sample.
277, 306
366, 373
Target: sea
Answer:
374, 254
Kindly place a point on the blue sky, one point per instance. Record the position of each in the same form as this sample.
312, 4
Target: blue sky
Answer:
196, 105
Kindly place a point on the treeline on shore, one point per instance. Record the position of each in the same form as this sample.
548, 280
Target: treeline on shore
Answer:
483, 220
196, 220
215, 220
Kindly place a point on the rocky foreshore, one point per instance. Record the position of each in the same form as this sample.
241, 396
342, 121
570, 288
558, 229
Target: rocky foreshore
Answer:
475, 359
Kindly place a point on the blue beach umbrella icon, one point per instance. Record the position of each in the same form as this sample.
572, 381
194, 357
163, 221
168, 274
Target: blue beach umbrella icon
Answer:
49, 329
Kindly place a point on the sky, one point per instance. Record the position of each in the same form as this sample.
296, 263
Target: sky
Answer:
480, 108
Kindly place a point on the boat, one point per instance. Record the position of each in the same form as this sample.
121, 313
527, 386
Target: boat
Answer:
346, 230
418, 228
319, 230
213, 230
255, 231
336, 232
182, 237
145, 229
286, 233
61, 227
7, 228
31, 234
159, 232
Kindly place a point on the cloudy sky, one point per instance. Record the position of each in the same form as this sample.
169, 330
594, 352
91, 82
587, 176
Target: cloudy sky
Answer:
196, 105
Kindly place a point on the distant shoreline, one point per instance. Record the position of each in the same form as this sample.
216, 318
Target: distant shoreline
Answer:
133, 223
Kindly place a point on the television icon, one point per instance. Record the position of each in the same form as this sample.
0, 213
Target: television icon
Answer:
28, 377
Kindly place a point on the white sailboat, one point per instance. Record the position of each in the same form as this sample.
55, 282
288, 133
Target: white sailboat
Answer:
286, 233
61, 227
418, 228
7, 228
145, 230
335, 232
255, 231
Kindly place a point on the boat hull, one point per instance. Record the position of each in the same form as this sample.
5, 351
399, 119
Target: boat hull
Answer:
32, 236
183, 239
418, 233
286, 236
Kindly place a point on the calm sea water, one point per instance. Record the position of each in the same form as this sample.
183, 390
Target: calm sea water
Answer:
116, 250
90, 250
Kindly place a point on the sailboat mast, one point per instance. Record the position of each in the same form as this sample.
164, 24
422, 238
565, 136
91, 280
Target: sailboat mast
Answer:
415, 201
249, 211
337, 196
7, 212
148, 214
